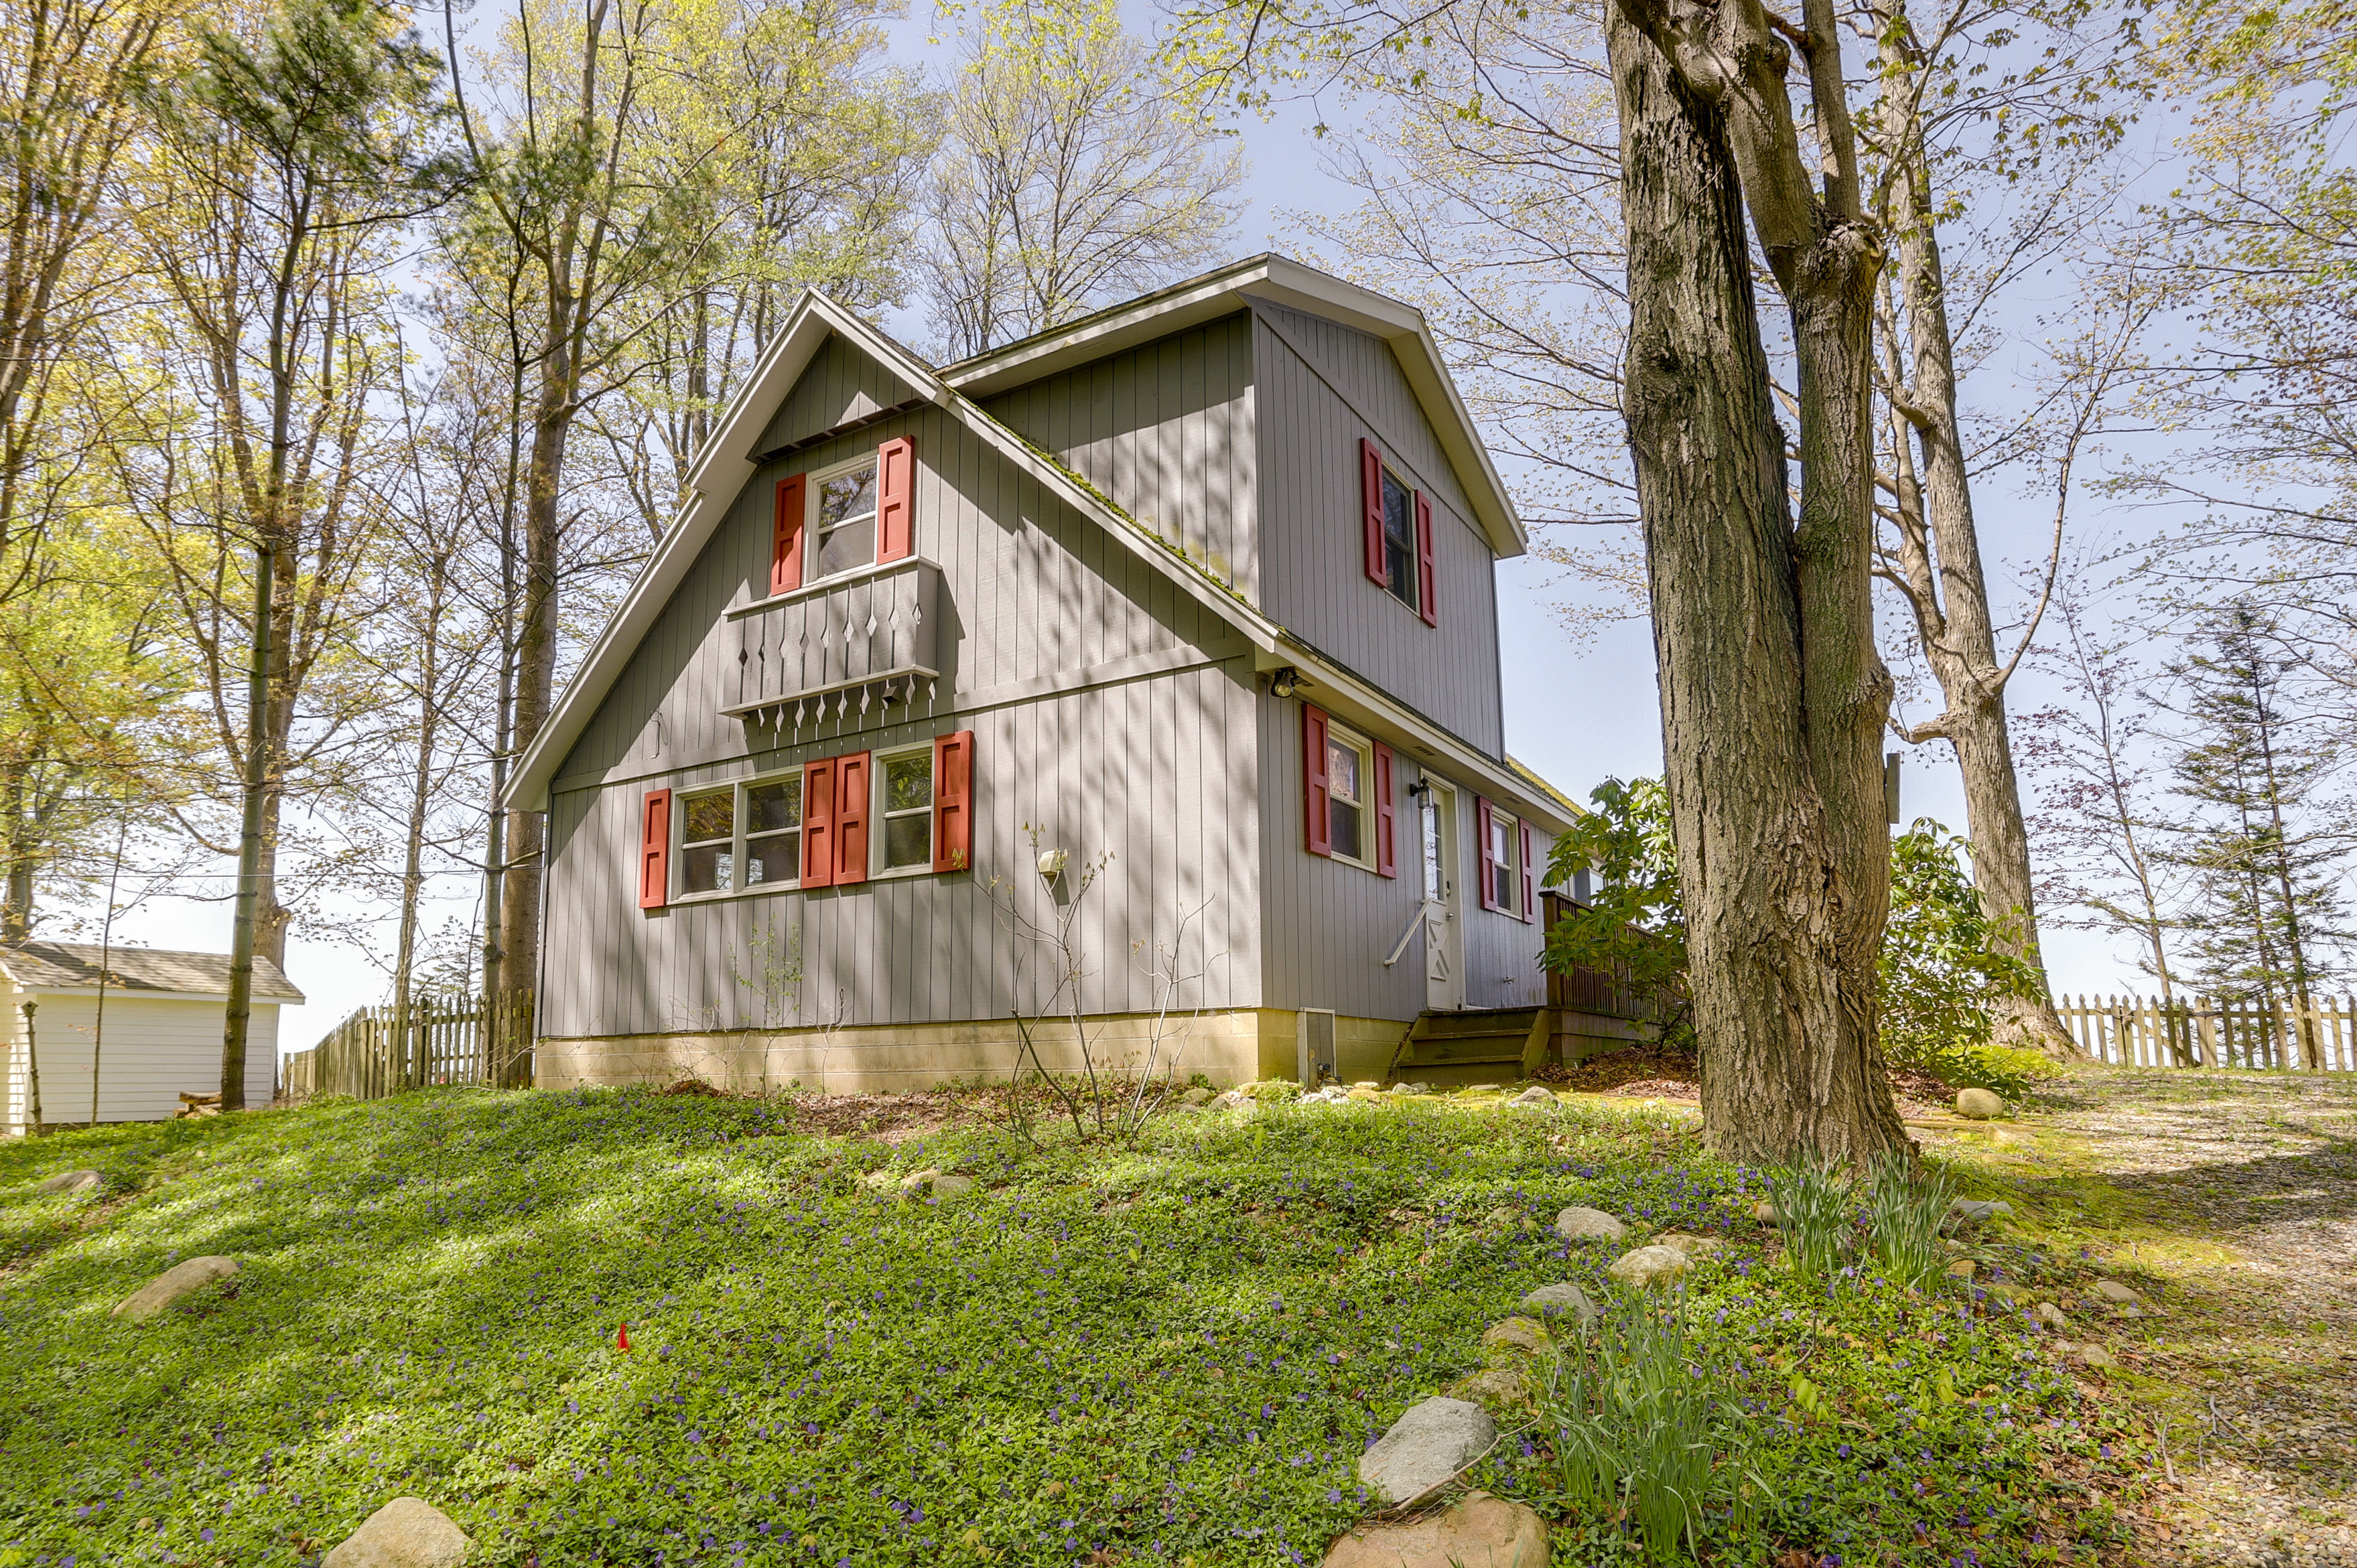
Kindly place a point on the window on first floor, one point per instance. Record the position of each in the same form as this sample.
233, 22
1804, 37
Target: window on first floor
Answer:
1348, 768
1501, 852
908, 809
809, 826
708, 841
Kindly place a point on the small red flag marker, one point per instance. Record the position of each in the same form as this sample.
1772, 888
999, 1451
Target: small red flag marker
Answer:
622, 1339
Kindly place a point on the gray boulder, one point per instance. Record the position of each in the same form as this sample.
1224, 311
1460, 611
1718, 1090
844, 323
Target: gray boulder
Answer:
1649, 1266
1579, 1224
1980, 1210
1978, 1104
2112, 1290
171, 1285
1535, 1098
70, 1181
1425, 1447
1195, 1097
407, 1533
1549, 1300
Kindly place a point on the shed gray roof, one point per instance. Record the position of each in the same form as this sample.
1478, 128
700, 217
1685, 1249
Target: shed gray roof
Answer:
74, 966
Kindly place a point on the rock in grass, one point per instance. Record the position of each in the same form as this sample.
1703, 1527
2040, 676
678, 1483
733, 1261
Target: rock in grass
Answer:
1481, 1089
1233, 1100
1549, 1300
1515, 1334
1765, 1212
1493, 1387
1410, 1088
171, 1285
407, 1533
1196, 1097
1978, 1104
1427, 1445
1535, 1096
70, 1181
1962, 1269
1980, 1210
2112, 1290
2049, 1317
1578, 1224
1482, 1531
1649, 1266
1694, 1247
2095, 1356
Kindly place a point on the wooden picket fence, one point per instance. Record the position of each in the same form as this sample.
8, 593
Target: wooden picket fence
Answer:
2142, 1031
440, 1040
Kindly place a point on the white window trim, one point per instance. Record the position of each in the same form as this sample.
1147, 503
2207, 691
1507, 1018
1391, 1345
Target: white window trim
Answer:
813, 484
737, 838
877, 871
1368, 827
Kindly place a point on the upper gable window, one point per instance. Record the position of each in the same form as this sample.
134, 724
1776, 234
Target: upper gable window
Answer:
1399, 539
857, 514
844, 524
1397, 534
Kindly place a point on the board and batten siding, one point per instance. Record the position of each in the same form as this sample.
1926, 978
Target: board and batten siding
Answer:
1319, 389
1327, 925
1030, 590
1157, 772
154, 1049
1166, 432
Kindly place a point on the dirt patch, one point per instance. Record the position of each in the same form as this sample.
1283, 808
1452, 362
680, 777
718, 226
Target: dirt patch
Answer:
889, 1118
1639, 1065
2229, 1200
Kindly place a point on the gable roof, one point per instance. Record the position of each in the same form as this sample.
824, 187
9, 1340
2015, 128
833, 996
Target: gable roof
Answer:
77, 966
730, 459
1283, 281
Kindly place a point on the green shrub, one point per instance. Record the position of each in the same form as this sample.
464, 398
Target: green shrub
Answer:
2009, 1071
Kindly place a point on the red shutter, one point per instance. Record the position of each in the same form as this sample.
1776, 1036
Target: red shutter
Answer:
953, 801
786, 537
1530, 880
654, 851
1317, 802
1386, 829
818, 823
851, 819
896, 498
1428, 599
1481, 815
1370, 486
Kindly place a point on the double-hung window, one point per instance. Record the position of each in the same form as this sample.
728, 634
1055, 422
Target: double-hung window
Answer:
1498, 851
708, 841
773, 831
1509, 863
908, 809
1397, 520
843, 521
1347, 771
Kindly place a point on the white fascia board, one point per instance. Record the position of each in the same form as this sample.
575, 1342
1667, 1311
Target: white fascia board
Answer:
726, 463
1337, 691
1285, 282
127, 994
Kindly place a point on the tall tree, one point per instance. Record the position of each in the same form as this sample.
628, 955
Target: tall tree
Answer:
1773, 696
1943, 119
2270, 854
1064, 180
299, 150
75, 83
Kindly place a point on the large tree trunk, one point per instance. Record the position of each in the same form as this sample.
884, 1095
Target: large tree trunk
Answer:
1784, 902
1949, 593
522, 878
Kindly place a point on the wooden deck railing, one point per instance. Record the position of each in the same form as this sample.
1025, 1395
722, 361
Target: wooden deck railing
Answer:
2204, 1031
438, 1040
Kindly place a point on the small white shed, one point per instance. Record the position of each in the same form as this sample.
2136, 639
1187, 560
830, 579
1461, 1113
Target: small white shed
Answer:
152, 1020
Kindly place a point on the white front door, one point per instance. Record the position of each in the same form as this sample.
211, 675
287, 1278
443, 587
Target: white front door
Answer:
1443, 932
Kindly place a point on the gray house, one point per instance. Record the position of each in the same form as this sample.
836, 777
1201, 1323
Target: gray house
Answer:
1203, 583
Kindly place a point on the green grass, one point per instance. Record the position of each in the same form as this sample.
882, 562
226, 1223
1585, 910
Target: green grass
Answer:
1167, 1354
